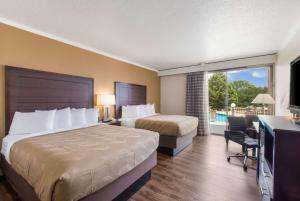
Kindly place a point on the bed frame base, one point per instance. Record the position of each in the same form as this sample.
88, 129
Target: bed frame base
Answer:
130, 191
135, 187
173, 145
170, 151
174, 151
119, 190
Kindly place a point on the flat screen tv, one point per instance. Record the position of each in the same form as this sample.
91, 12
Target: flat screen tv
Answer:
295, 87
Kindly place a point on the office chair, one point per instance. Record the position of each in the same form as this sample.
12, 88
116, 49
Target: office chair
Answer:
238, 132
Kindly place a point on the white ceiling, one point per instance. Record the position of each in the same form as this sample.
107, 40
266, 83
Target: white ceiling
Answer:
161, 34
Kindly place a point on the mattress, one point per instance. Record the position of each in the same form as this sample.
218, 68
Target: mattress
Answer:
72, 164
9, 140
130, 122
170, 125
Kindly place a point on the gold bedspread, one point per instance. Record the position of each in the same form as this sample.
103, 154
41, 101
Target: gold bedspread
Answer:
171, 125
70, 165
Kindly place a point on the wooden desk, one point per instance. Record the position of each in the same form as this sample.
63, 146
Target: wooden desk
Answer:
279, 159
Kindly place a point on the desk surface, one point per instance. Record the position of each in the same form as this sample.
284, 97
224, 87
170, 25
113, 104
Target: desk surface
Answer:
256, 126
280, 122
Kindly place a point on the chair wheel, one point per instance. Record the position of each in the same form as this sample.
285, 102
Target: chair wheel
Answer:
228, 159
245, 167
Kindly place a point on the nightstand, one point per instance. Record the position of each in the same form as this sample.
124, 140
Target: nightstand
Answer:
112, 123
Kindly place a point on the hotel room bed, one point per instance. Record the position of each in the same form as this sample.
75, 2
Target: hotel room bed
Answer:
169, 125
176, 132
73, 164
90, 163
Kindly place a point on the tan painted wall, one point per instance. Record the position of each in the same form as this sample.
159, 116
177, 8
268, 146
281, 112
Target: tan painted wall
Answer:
173, 88
24, 49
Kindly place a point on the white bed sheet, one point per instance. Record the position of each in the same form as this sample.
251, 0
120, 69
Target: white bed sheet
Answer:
9, 140
130, 122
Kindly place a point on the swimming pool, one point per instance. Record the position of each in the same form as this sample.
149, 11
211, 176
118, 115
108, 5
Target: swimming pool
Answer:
219, 117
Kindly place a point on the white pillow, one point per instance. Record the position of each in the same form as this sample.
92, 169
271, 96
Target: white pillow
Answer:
150, 109
78, 117
142, 110
52, 114
63, 119
91, 115
32, 122
130, 111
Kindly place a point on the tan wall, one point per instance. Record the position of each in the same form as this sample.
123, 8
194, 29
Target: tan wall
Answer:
24, 49
173, 88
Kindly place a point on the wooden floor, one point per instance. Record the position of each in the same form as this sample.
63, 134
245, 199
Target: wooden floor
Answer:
200, 172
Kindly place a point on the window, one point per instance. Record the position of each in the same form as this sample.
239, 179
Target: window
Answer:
231, 92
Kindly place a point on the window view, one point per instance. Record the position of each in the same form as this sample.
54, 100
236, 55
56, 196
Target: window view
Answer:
232, 93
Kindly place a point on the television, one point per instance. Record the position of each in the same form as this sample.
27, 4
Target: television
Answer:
295, 87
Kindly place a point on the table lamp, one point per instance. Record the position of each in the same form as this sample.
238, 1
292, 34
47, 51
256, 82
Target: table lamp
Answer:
263, 99
106, 100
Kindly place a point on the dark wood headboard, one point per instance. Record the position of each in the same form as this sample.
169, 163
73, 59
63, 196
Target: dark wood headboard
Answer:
28, 90
129, 94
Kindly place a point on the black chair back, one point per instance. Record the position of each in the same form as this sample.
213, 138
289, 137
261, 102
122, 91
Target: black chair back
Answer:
250, 119
237, 123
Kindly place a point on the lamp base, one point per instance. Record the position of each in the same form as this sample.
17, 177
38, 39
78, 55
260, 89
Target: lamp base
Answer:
106, 115
106, 120
296, 119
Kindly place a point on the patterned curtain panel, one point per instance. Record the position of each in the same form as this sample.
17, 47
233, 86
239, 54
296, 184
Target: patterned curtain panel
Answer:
197, 100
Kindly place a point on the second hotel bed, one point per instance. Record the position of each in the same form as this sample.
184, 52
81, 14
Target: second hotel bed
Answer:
175, 131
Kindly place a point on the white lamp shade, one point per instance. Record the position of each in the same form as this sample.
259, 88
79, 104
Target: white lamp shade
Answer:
106, 99
263, 99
